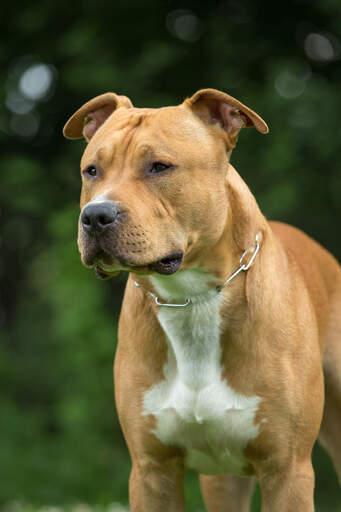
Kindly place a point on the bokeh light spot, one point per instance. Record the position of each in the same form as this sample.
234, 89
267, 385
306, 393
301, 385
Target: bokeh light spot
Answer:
322, 47
289, 85
26, 125
17, 103
184, 25
36, 81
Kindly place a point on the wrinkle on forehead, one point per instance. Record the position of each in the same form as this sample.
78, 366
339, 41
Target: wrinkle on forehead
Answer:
113, 136
168, 122
114, 139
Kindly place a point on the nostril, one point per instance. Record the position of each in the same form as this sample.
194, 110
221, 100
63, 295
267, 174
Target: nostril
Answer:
104, 220
86, 220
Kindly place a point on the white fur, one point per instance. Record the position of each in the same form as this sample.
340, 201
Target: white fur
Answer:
101, 198
194, 407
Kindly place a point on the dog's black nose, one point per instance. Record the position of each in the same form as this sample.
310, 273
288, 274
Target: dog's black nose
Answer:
99, 216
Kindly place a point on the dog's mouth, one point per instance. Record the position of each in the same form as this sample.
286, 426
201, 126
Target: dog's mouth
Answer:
165, 266
168, 265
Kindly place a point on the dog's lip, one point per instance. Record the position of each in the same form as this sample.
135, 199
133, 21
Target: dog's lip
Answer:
105, 271
169, 264
102, 274
166, 266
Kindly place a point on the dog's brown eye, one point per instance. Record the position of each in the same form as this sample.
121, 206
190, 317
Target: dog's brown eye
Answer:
91, 171
158, 167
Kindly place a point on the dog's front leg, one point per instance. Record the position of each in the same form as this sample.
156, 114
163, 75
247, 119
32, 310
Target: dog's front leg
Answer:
288, 490
156, 486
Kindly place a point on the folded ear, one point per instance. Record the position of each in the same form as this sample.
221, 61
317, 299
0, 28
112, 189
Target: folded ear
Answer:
217, 106
86, 121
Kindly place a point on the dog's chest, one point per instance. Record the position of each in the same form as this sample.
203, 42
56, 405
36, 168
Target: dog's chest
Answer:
194, 407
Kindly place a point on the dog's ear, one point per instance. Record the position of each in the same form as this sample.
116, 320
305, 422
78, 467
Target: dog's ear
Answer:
86, 121
216, 106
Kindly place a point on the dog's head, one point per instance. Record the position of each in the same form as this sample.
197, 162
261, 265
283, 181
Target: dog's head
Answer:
154, 180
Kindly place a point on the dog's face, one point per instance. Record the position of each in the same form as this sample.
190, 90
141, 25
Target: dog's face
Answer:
154, 180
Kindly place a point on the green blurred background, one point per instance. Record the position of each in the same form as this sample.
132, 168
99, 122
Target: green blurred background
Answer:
60, 442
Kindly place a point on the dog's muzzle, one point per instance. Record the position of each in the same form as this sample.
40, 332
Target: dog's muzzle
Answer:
109, 240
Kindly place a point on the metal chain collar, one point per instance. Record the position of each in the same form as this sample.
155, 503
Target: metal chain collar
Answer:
243, 268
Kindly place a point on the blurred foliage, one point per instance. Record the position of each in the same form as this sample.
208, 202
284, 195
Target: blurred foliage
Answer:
60, 439
17, 506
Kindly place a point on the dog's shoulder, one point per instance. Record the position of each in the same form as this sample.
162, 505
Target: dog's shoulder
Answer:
320, 271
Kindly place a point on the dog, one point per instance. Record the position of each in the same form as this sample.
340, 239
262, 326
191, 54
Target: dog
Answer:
229, 353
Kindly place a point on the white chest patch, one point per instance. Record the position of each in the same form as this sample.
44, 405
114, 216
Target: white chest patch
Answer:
194, 407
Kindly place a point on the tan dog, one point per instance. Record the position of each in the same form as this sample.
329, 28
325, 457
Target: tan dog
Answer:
221, 353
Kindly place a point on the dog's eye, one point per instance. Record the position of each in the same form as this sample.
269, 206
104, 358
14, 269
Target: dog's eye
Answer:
158, 167
90, 171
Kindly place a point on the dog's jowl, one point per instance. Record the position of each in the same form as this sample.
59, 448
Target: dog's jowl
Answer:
229, 354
